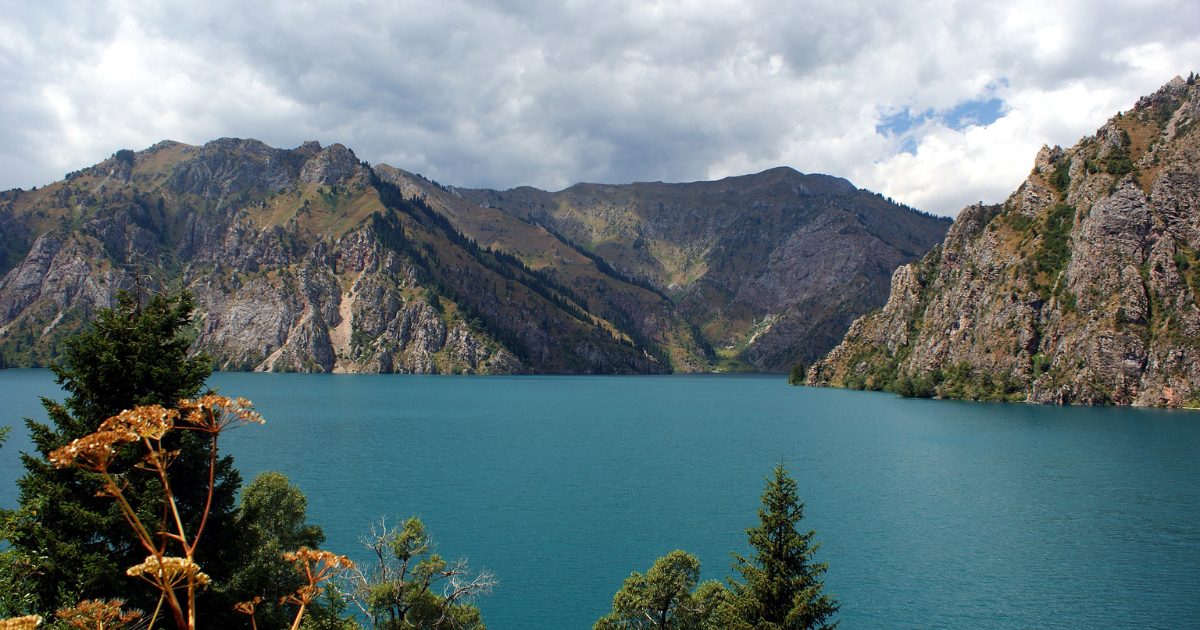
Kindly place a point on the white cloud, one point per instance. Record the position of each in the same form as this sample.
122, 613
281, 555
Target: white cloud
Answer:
500, 94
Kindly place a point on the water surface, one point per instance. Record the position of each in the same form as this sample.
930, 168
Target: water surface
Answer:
933, 514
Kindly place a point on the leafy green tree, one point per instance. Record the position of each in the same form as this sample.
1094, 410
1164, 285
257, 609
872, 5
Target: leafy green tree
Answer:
412, 588
781, 587
78, 545
667, 598
271, 520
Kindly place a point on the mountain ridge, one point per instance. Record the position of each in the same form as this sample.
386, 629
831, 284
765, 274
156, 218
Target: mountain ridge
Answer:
309, 259
728, 257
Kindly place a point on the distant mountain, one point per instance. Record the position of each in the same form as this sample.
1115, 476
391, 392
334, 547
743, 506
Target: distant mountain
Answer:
1080, 288
770, 268
308, 259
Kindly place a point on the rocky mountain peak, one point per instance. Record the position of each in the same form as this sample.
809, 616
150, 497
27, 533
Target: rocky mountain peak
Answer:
331, 165
228, 167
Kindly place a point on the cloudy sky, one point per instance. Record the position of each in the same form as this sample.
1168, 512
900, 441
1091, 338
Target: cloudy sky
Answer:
937, 104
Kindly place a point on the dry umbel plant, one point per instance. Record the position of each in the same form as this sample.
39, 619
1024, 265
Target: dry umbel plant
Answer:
247, 608
316, 566
98, 614
147, 426
28, 622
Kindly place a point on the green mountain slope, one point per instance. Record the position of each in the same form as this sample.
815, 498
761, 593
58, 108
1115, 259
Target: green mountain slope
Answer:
770, 268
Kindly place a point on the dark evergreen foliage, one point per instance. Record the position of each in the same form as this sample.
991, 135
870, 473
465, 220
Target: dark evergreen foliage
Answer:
77, 545
703, 342
1061, 179
781, 587
923, 386
797, 375
903, 206
271, 518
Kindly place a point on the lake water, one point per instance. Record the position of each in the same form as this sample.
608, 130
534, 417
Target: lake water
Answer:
933, 514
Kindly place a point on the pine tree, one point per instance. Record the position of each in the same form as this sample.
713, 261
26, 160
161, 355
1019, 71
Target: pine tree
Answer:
76, 544
782, 585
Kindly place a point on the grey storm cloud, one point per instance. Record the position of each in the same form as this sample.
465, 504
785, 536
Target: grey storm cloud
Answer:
938, 104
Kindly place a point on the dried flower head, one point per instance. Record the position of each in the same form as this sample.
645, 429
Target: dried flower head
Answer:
303, 596
168, 572
28, 622
211, 413
317, 566
146, 422
247, 608
98, 614
91, 452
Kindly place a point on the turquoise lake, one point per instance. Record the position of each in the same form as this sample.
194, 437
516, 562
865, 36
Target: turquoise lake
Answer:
932, 514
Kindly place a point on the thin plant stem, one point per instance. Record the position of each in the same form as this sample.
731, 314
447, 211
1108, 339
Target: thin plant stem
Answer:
131, 516
191, 603
299, 616
157, 608
212, 472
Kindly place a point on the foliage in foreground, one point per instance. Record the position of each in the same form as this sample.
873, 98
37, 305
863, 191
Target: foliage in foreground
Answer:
780, 587
667, 597
409, 586
69, 540
130, 484
153, 468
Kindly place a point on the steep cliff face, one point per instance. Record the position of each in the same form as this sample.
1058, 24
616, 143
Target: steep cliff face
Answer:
301, 260
770, 268
1081, 288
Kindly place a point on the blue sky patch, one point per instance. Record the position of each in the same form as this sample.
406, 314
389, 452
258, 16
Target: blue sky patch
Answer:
979, 112
982, 112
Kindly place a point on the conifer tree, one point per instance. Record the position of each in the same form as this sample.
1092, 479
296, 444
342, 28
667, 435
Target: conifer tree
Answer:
797, 375
781, 588
76, 544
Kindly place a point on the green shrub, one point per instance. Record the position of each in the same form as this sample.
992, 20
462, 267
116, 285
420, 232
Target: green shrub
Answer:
1061, 179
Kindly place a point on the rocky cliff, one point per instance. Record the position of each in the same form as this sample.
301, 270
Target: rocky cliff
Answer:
308, 259
1081, 288
301, 260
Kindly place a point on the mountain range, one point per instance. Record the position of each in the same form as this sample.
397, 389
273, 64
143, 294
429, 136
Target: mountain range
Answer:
309, 259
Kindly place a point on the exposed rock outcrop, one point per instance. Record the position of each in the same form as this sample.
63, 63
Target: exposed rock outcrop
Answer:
289, 273
1080, 289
